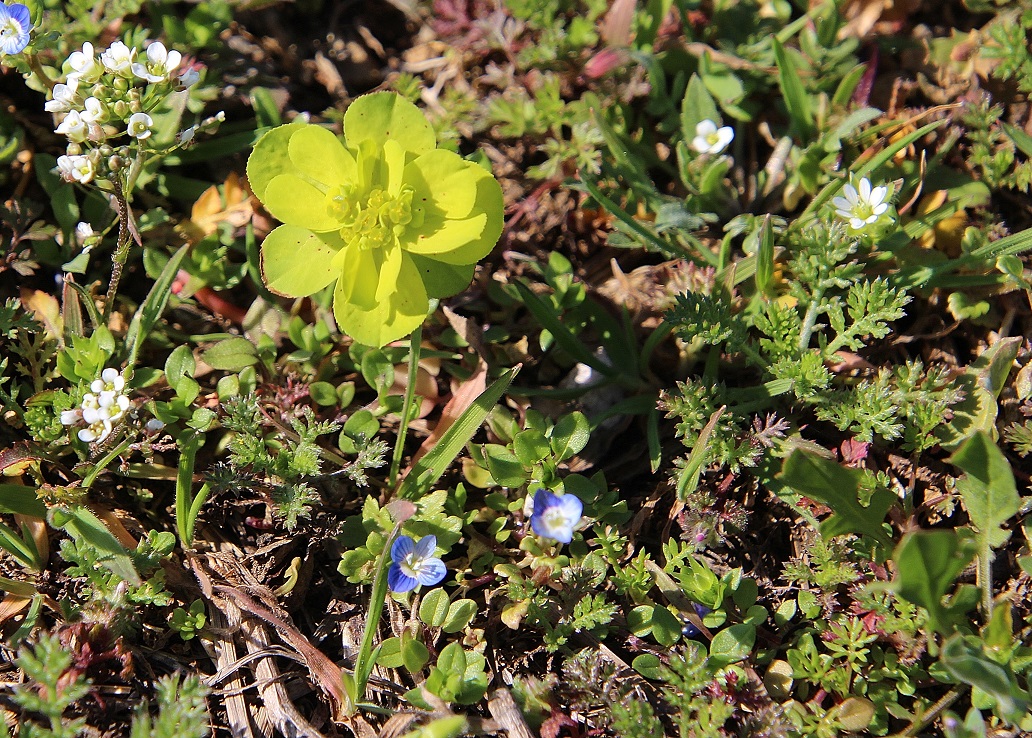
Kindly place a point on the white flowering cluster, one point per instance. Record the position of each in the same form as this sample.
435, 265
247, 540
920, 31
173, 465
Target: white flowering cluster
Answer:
105, 403
105, 97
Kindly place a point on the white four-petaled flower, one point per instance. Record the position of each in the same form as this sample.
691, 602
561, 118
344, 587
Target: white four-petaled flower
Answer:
139, 126
862, 205
76, 168
84, 66
160, 63
15, 23
74, 126
105, 403
711, 140
119, 59
66, 96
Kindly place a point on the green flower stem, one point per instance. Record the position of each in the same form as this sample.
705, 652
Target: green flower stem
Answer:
188, 507
415, 341
41, 74
366, 657
101, 465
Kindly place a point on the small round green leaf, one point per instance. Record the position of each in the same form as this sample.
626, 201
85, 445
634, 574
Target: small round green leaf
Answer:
433, 610
460, 613
733, 644
648, 665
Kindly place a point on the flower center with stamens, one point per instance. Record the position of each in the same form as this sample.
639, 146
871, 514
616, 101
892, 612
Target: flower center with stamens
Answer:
376, 221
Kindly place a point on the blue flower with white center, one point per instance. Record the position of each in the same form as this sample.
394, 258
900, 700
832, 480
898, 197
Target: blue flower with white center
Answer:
15, 23
414, 564
555, 517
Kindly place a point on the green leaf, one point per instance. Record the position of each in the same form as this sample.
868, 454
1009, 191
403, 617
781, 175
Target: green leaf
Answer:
323, 393
80, 523
18, 499
425, 472
927, 565
965, 659
648, 665
982, 381
179, 364
414, 654
794, 94
153, 306
231, 355
838, 487
530, 446
666, 628
570, 435
733, 644
696, 107
460, 613
433, 610
506, 469
987, 488
389, 653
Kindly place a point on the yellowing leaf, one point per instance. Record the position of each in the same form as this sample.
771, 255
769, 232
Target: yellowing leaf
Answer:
230, 205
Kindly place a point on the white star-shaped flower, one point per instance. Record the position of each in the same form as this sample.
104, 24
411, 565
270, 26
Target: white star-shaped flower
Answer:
862, 205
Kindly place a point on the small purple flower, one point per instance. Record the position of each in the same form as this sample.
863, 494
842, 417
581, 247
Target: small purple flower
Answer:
554, 516
414, 564
15, 23
689, 630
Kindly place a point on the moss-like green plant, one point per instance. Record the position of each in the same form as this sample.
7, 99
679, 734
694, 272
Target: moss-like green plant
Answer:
391, 218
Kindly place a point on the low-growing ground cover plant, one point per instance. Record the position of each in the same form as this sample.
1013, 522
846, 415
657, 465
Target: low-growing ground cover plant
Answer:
529, 368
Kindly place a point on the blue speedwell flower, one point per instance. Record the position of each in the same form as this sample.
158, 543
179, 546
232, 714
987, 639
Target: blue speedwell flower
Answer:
554, 516
414, 564
15, 23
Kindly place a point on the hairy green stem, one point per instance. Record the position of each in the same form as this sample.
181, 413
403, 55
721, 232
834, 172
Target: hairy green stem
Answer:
984, 575
122, 249
934, 711
811, 319
415, 340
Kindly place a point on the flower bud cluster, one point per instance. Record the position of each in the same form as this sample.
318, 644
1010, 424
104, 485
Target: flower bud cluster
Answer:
101, 407
106, 96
